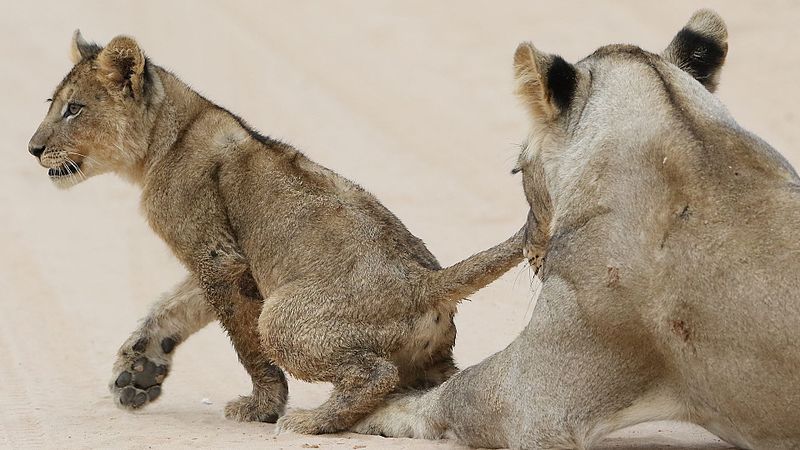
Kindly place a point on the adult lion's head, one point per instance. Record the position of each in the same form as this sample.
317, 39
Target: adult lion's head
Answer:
619, 108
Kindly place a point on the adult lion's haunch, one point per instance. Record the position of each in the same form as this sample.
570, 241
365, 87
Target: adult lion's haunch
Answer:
671, 286
304, 269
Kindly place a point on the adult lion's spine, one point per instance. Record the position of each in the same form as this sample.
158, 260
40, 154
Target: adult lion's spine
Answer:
464, 278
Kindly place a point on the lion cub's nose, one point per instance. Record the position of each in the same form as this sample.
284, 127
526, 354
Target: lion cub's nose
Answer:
36, 150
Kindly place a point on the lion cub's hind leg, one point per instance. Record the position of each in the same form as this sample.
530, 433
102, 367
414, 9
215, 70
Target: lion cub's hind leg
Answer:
363, 380
143, 361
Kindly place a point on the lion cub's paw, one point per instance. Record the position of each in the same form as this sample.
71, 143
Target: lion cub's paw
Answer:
137, 376
253, 409
304, 421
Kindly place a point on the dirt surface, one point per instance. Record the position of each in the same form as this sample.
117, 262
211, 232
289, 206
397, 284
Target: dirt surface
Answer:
412, 99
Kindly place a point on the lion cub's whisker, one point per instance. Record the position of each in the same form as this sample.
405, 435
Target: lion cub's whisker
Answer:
89, 158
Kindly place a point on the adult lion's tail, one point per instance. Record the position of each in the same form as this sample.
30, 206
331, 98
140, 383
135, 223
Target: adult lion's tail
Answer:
466, 277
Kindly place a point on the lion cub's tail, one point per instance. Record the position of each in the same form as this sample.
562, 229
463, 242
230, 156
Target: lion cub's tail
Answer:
468, 276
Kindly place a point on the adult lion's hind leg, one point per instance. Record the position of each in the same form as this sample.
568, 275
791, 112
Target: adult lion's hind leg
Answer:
143, 361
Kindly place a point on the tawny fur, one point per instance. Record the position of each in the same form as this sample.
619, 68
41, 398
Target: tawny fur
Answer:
670, 286
304, 269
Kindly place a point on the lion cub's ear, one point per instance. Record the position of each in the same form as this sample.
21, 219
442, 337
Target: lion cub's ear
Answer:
545, 83
700, 48
81, 49
121, 66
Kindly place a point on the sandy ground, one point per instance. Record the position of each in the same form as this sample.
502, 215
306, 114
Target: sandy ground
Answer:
411, 98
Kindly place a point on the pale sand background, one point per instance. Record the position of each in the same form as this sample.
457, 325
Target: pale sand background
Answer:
411, 99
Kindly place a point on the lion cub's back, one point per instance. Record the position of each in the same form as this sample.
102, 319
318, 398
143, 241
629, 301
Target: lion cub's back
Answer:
283, 204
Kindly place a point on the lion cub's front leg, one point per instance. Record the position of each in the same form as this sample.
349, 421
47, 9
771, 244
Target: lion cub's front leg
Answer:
143, 361
196, 228
231, 291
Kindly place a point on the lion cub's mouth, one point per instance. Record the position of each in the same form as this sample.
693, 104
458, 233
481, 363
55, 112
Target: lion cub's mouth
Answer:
66, 169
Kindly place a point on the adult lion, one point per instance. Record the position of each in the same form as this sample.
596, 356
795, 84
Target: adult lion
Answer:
670, 284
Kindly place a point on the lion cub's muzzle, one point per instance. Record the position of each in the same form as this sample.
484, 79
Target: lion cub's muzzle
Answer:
57, 163
36, 150
66, 169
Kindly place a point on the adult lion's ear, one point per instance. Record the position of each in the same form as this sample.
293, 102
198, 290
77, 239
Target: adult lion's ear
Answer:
700, 48
81, 49
121, 66
545, 83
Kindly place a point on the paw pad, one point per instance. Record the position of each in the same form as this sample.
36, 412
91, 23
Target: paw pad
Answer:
140, 384
168, 344
123, 379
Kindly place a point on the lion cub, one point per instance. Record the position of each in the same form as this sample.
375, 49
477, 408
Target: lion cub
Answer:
304, 269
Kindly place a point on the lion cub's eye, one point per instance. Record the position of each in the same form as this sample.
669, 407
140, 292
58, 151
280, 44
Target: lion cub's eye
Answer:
72, 109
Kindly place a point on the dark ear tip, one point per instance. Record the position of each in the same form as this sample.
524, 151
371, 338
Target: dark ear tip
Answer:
700, 47
708, 23
562, 80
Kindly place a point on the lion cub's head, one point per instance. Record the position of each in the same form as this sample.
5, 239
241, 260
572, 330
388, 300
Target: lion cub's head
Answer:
94, 123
